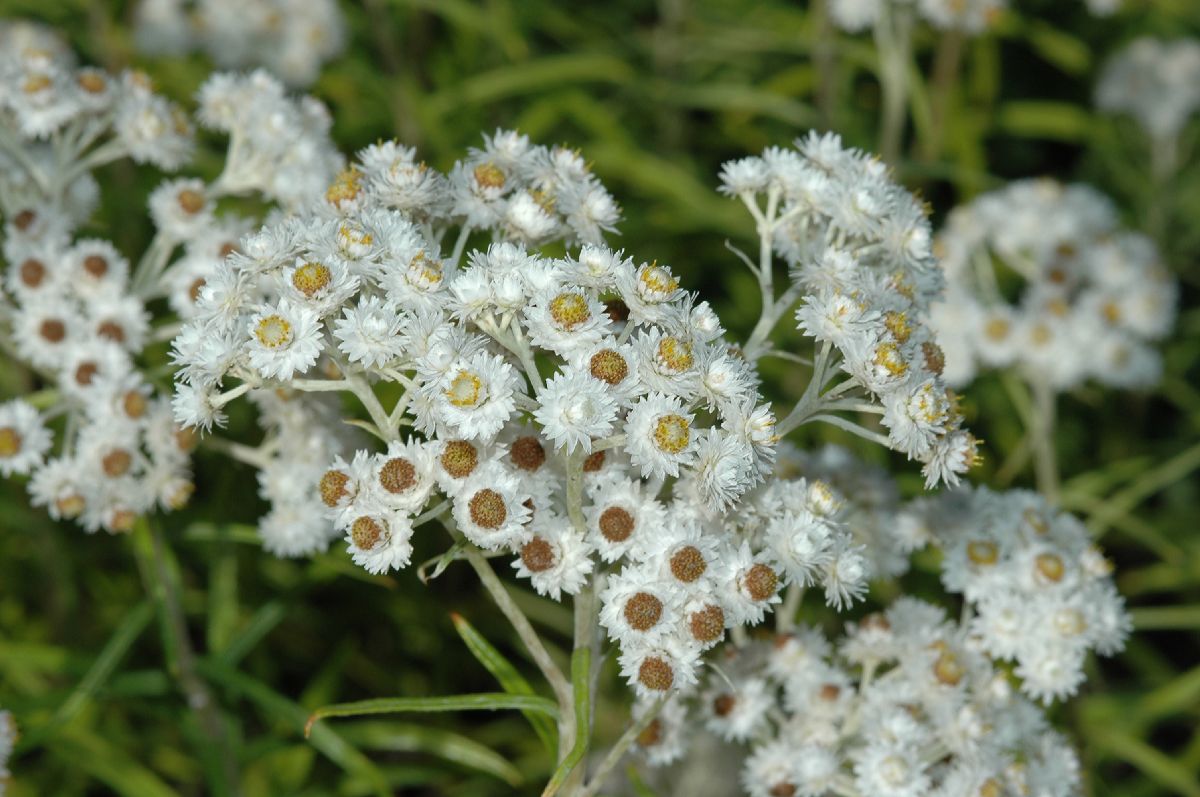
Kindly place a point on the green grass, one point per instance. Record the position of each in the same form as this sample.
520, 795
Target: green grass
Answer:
656, 96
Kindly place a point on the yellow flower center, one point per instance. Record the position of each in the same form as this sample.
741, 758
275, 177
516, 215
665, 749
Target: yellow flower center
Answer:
489, 175
311, 278
671, 433
346, 187
657, 279
898, 324
569, 310
273, 332
465, 390
887, 357
675, 354
10, 442
982, 552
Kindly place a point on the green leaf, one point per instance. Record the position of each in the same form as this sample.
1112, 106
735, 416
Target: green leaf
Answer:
261, 623
1057, 121
440, 562
438, 742
483, 701
510, 680
581, 680
1065, 51
281, 709
106, 763
130, 628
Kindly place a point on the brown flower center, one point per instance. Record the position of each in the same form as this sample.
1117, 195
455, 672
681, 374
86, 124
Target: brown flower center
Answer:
33, 272
111, 330
190, 201
527, 453
707, 624
656, 674
365, 533
537, 555
116, 463
687, 564
53, 330
487, 509
643, 611
459, 459
333, 487
761, 582
609, 366
397, 475
616, 524
95, 265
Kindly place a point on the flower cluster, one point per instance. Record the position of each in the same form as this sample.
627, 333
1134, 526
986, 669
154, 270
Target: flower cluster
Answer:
1090, 297
968, 16
1155, 81
74, 309
908, 702
97, 117
904, 705
1039, 589
572, 411
70, 310
291, 38
859, 249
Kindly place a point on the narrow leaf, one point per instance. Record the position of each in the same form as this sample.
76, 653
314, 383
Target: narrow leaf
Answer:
439, 742
483, 701
510, 680
130, 628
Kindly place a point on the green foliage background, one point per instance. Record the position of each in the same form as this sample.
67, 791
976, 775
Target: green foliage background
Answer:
656, 95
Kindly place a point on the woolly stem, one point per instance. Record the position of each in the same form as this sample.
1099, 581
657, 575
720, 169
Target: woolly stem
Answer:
614, 755
1045, 459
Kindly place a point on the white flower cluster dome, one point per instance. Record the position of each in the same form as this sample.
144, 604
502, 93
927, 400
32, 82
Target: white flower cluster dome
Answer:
859, 249
1042, 278
292, 39
68, 309
904, 705
75, 309
573, 411
1040, 590
1156, 81
907, 702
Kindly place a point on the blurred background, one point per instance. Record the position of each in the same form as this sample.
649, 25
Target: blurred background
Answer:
656, 95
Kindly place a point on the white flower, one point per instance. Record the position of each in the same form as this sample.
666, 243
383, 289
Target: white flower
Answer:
283, 340
659, 435
369, 332
476, 396
566, 320
380, 543
490, 508
574, 409
24, 441
555, 559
